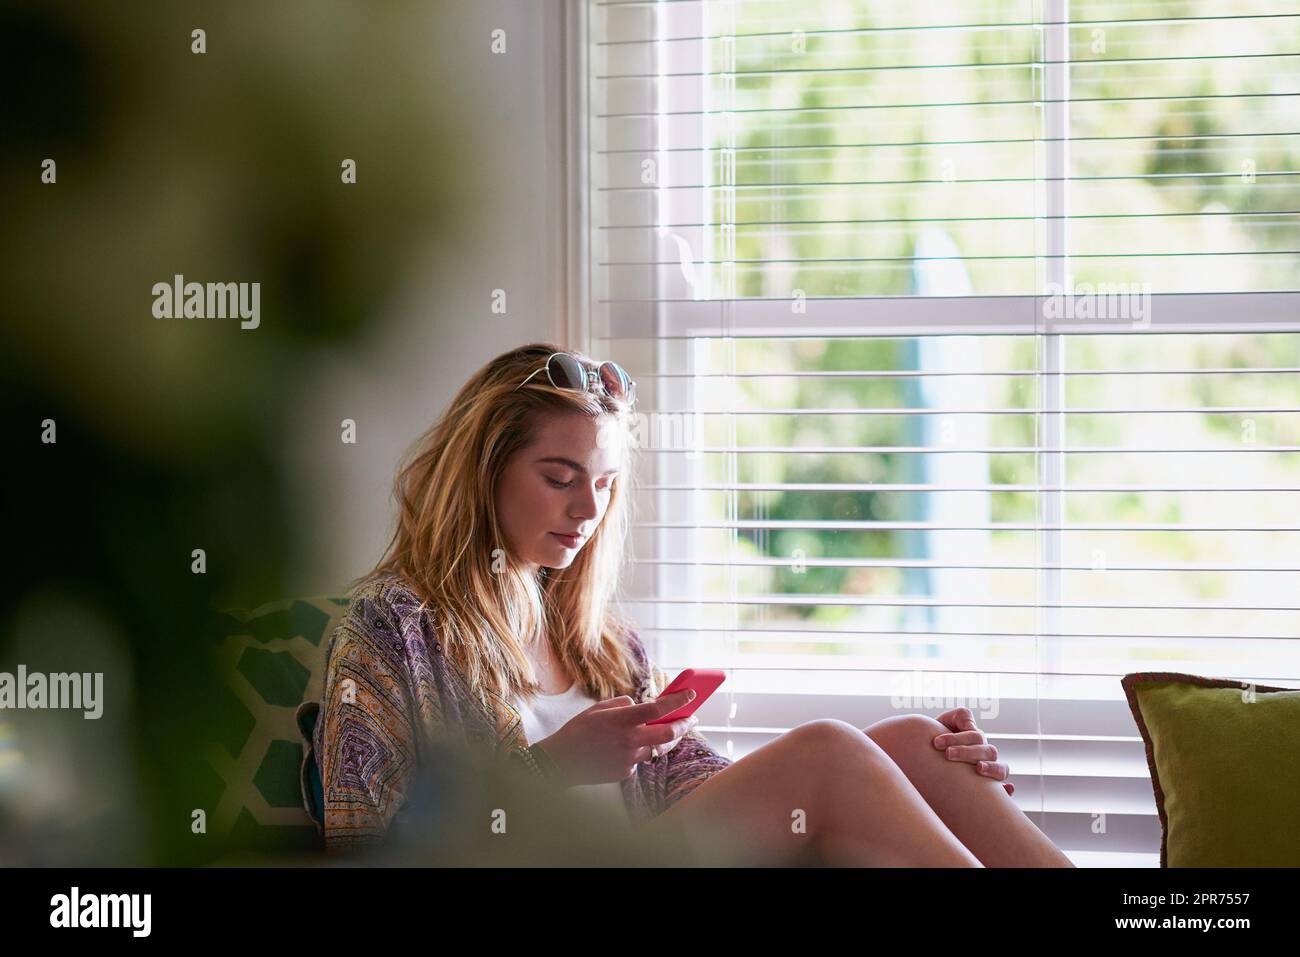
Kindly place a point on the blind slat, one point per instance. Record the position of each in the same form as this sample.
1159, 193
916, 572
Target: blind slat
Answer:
930, 633
1028, 24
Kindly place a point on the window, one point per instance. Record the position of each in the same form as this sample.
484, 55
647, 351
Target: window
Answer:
967, 340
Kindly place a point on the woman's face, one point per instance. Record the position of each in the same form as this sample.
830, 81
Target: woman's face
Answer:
558, 486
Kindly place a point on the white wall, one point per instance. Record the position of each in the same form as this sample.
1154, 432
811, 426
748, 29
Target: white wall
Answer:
508, 108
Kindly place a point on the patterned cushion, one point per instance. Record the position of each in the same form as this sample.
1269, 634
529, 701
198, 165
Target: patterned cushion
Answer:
273, 664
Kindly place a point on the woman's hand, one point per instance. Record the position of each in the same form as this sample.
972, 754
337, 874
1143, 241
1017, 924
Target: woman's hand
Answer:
607, 741
691, 722
967, 744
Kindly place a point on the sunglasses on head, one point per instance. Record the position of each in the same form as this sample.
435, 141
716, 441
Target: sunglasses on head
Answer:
566, 371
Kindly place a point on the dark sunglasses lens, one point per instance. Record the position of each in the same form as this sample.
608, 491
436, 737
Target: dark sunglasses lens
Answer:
566, 372
614, 379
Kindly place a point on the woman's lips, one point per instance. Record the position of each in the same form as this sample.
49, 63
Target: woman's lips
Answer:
568, 541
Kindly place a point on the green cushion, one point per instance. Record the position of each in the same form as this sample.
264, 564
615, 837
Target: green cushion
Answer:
272, 662
1225, 766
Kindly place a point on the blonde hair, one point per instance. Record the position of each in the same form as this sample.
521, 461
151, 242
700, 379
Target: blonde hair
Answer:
449, 547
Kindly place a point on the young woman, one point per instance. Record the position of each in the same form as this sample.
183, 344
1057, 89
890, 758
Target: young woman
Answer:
489, 617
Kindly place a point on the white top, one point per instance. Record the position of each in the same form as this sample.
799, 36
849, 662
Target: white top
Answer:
545, 715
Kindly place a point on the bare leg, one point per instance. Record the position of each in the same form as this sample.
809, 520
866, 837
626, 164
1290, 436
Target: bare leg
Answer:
858, 806
975, 808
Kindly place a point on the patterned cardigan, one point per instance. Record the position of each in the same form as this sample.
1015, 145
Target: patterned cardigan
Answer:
365, 744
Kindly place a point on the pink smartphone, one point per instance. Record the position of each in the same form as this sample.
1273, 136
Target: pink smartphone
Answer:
704, 681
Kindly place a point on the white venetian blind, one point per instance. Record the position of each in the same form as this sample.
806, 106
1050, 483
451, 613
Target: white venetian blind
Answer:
968, 346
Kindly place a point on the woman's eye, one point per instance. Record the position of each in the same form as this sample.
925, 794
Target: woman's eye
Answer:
558, 484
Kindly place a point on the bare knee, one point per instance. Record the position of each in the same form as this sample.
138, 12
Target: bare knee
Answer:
824, 743
827, 732
902, 733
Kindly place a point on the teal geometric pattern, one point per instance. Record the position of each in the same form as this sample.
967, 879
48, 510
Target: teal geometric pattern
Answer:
277, 775
277, 676
233, 722
300, 618
272, 660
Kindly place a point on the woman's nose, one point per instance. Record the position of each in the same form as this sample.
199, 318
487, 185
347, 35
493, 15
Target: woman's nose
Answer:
584, 505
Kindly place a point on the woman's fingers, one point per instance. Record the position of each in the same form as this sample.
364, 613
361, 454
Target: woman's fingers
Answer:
972, 753
995, 770
666, 736
958, 719
678, 729
622, 701
942, 741
971, 747
659, 707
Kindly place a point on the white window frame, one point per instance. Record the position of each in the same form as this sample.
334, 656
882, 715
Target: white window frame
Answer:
905, 316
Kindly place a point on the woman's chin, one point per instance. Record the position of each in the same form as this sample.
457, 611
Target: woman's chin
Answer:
563, 559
